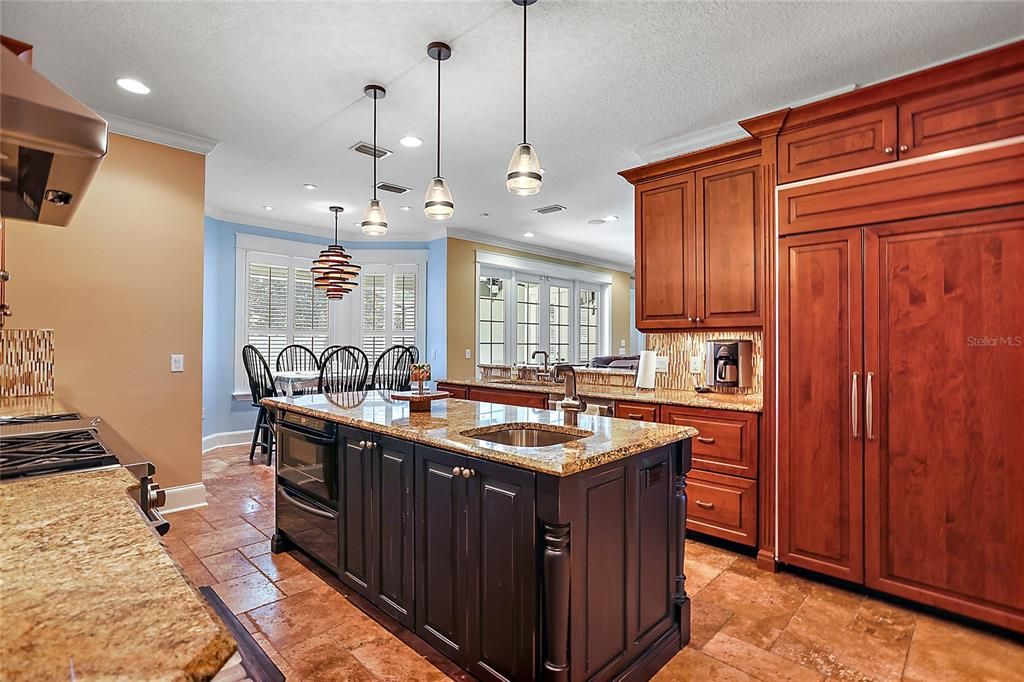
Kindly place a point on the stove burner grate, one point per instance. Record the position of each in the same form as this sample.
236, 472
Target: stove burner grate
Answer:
40, 418
42, 453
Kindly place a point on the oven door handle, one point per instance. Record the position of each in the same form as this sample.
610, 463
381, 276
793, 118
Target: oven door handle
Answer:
305, 507
316, 440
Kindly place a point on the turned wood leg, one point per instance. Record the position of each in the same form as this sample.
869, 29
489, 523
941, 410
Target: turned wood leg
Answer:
556, 602
681, 599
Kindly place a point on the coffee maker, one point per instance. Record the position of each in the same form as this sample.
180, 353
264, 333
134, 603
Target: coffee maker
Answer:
729, 363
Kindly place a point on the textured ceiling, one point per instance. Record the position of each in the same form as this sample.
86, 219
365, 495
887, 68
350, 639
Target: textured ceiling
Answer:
280, 86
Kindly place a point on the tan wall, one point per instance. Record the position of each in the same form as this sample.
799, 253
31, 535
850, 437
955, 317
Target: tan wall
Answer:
462, 301
122, 288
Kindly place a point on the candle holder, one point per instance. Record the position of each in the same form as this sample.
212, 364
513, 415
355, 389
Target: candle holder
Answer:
419, 398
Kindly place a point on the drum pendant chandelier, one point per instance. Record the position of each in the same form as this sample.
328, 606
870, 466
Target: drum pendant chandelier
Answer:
333, 270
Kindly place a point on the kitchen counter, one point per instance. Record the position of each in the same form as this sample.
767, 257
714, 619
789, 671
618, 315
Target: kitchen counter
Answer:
84, 579
663, 396
443, 427
32, 406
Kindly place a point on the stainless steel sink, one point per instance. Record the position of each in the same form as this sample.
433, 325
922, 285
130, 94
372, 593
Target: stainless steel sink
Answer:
526, 436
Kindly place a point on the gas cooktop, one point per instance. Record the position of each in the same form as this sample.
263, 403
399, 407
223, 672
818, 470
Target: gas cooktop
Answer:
40, 418
31, 452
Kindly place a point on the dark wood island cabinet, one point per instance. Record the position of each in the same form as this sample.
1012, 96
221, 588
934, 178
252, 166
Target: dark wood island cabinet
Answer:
558, 562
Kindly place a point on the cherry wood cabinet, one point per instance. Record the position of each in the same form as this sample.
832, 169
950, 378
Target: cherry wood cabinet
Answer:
727, 442
723, 506
457, 391
844, 144
509, 397
644, 412
820, 460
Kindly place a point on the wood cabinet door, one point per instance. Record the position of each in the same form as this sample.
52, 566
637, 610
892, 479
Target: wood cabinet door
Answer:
843, 144
820, 383
980, 111
722, 506
730, 245
944, 324
503, 562
727, 442
393, 532
644, 412
457, 390
666, 275
510, 397
442, 579
355, 454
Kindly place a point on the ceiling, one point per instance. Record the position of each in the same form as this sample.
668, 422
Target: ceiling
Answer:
279, 86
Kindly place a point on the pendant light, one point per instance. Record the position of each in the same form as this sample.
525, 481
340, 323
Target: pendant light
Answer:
375, 221
333, 270
524, 176
438, 203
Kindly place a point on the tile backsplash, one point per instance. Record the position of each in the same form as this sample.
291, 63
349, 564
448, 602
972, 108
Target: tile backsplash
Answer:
679, 346
27, 367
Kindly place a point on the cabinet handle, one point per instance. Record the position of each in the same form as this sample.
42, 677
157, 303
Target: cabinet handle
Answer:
869, 390
697, 320
457, 471
705, 439
888, 150
634, 416
706, 505
854, 406
466, 473
904, 148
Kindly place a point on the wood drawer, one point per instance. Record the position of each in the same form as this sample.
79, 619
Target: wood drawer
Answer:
723, 506
727, 442
843, 144
645, 412
456, 390
518, 398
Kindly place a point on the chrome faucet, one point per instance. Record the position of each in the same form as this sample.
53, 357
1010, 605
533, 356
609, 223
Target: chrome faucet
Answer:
546, 356
573, 403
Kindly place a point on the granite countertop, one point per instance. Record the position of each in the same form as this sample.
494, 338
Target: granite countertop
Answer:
32, 406
663, 396
83, 578
444, 425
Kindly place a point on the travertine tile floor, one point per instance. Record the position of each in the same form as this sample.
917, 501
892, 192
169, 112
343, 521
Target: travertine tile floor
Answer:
747, 624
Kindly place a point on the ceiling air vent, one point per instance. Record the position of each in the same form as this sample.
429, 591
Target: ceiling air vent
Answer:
553, 208
391, 187
367, 148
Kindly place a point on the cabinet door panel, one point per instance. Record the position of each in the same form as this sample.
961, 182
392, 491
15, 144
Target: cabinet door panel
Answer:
820, 457
723, 506
356, 454
730, 244
988, 109
393, 529
440, 552
844, 144
502, 549
510, 397
644, 412
944, 473
727, 442
665, 253
456, 390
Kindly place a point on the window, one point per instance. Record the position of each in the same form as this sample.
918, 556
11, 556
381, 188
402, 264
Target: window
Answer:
282, 307
491, 325
391, 302
547, 307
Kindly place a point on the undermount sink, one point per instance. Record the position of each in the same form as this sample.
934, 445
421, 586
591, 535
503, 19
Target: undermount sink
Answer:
526, 436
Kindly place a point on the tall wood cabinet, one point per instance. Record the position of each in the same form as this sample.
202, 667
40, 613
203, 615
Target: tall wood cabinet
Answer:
700, 240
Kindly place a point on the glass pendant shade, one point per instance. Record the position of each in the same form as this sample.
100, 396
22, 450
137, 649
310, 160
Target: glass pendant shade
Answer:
437, 203
375, 221
524, 176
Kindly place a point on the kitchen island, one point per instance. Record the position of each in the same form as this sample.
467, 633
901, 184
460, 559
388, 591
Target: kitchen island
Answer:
518, 544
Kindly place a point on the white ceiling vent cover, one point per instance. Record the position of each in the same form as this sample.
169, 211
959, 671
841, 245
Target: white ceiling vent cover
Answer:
391, 187
367, 149
553, 208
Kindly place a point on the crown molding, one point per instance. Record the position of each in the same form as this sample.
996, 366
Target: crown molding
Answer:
159, 134
491, 240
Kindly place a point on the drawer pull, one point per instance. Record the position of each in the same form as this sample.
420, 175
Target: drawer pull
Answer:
705, 439
705, 505
456, 471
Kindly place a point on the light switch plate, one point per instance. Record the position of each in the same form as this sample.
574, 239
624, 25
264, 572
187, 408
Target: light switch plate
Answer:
177, 363
433, 354
469, 354
660, 363
695, 364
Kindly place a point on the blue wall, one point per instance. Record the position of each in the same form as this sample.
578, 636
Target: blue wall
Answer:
221, 412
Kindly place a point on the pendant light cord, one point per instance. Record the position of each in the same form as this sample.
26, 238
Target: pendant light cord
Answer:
376, 152
438, 118
524, 73
336, 228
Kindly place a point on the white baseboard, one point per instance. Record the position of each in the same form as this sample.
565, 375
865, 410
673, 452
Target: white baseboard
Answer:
182, 497
219, 440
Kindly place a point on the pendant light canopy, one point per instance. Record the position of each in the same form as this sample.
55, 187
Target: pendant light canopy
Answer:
438, 203
524, 176
375, 221
333, 270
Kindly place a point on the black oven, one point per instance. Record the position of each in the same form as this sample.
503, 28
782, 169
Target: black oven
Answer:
307, 457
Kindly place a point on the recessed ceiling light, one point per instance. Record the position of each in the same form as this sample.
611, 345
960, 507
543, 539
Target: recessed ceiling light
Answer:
485, 215
132, 85
268, 208
610, 218
529, 235
595, 221
405, 208
310, 186
410, 141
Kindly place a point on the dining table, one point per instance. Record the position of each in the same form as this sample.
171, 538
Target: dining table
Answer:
291, 381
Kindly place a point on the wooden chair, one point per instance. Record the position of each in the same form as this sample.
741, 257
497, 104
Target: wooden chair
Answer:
261, 385
392, 370
327, 351
344, 370
296, 358
415, 354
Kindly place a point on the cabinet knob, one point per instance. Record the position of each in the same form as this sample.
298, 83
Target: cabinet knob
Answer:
363, 444
697, 320
466, 473
457, 471
689, 319
904, 148
888, 150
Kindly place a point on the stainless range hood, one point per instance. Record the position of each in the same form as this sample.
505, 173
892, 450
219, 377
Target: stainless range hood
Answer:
50, 144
